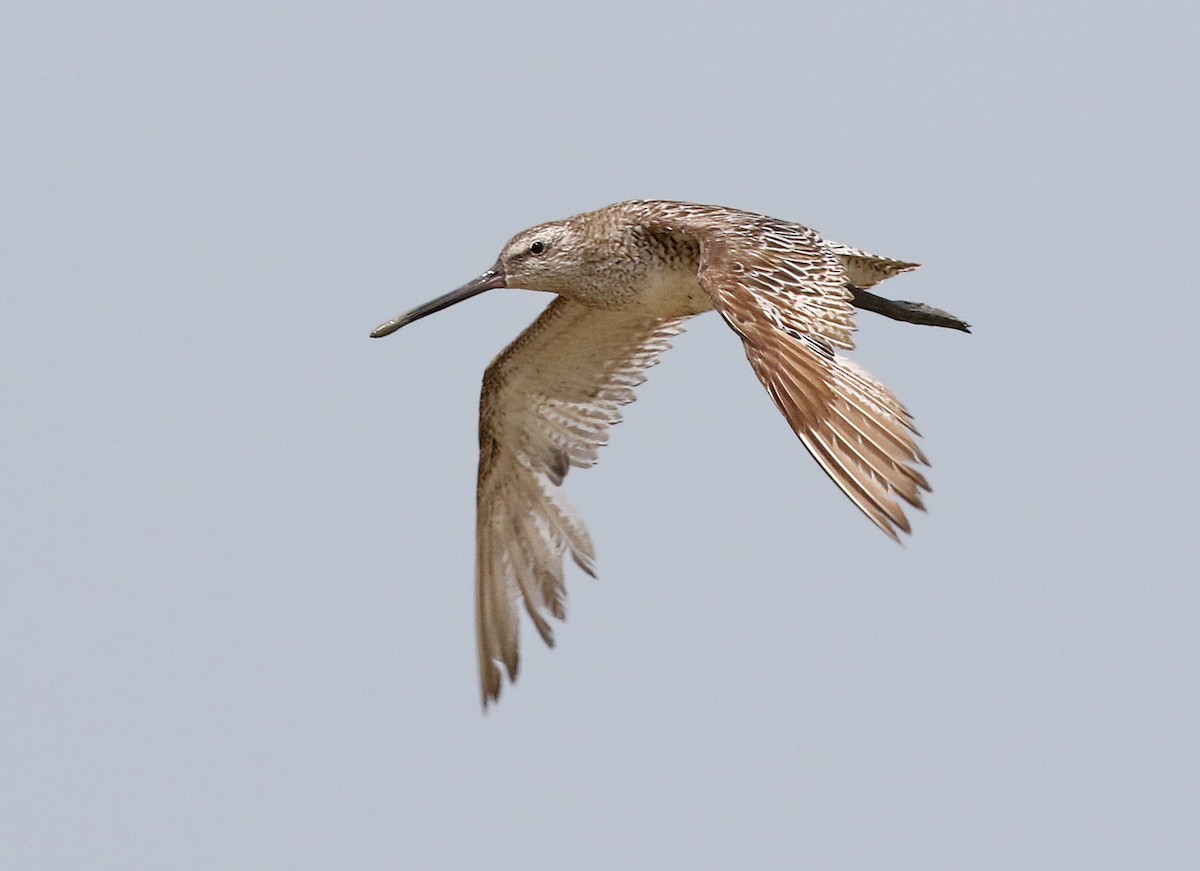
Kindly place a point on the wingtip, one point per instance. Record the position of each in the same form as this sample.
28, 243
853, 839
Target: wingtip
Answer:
489, 693
586, 562
491, 681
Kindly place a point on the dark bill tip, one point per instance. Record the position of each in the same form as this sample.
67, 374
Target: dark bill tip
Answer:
490, 280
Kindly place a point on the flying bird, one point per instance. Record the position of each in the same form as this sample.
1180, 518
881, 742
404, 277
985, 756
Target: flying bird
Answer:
625, 279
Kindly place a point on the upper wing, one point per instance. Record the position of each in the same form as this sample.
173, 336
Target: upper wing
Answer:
547, 403
783, 290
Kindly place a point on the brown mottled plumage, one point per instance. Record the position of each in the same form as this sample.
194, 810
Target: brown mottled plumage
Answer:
626, 278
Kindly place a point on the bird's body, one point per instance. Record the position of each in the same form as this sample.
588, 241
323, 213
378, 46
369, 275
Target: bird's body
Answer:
627, 277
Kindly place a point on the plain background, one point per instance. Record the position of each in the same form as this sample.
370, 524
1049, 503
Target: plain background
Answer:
237, 534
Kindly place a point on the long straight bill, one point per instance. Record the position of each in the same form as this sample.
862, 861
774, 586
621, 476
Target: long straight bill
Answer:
490, 280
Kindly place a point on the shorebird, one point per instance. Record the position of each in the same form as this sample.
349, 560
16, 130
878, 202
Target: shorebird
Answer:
625, 279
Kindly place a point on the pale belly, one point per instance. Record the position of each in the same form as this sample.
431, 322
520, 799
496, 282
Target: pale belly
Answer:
669, 293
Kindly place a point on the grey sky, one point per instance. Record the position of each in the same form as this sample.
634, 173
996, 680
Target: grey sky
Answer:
236, 546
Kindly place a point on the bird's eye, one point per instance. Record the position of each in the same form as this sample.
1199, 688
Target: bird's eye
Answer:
537, 247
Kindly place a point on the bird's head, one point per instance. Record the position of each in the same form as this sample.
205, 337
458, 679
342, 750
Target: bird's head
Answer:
546, 257
549, 257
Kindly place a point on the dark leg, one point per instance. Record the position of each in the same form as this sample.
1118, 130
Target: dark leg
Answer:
903, 310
